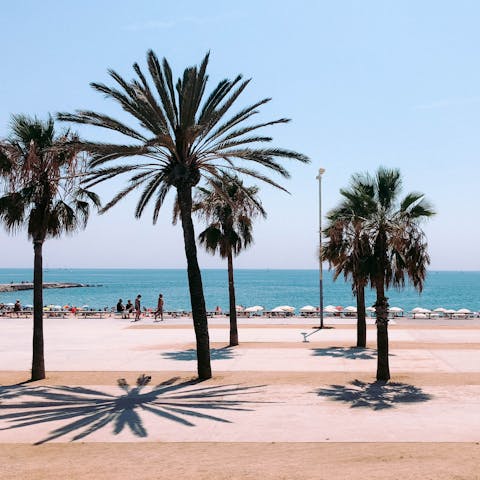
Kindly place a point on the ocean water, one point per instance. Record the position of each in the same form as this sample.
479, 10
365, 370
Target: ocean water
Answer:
268, 288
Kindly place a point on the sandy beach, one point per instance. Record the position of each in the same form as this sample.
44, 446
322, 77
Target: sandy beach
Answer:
277, 408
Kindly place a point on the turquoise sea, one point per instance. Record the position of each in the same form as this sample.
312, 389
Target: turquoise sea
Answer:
268, 288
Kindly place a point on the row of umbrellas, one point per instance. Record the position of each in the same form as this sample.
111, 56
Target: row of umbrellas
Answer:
350, 309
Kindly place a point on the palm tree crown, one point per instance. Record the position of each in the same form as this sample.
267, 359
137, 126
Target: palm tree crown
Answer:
398, 243
42, 190
183, 134
229, 209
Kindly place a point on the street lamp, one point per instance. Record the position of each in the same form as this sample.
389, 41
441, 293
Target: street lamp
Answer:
321, 171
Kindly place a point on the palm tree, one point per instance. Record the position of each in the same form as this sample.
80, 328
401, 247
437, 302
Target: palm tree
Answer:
183, 138
42, 193
348, 249
397, 245
229, 208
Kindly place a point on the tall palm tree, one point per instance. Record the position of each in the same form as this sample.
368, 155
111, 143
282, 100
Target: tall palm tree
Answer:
42, 193
229, 208
183, 137
398, 247
348, 249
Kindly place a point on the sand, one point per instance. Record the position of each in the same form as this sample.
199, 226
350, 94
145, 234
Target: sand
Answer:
301, 411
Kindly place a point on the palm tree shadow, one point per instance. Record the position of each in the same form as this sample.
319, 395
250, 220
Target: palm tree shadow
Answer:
376, 396
191, 354
351, 353
89, 410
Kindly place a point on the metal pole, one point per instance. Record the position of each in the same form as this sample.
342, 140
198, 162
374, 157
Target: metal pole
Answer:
321, 171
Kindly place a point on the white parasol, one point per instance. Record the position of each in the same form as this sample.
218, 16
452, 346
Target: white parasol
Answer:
308, 308
255, 308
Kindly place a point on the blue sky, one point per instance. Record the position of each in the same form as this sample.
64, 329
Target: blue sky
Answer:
365, 83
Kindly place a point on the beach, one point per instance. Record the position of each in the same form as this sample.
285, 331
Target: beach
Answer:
276, 407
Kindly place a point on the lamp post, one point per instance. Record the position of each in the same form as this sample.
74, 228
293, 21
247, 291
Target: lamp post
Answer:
321, 171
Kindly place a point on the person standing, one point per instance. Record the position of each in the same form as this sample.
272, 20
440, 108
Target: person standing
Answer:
138, 308
159, 310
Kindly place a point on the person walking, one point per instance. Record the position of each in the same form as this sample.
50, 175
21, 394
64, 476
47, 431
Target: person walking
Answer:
138, 308
159, 311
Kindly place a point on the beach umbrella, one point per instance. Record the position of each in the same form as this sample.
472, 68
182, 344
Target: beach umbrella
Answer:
440, 310
464, 310
395, 309
9, 304
370, 309
278, 309
57, 307
421, 310
28, 306
308, 308
286, 308
339, 308
351, 309
255, 308
450, 311
239, 308
330, 309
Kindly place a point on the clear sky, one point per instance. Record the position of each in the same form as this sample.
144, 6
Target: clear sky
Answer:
365, 83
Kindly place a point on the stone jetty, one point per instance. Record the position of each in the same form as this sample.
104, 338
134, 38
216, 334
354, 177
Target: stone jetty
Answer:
15, 287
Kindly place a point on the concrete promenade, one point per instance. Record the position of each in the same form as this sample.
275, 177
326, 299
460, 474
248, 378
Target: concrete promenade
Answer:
272, 388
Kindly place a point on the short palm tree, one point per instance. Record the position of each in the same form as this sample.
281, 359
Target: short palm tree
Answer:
398, 247
183, 136
42, 193
348, 249
229, 209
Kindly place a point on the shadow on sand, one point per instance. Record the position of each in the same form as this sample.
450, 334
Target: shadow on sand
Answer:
224, 353
89, 410
351, 353
376, 396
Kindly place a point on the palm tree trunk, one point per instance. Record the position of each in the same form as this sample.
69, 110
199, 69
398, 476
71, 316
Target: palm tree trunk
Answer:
199, 312
232, 302
381, 309
38, 360
361, 322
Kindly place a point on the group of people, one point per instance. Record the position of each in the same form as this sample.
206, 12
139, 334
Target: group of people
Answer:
17, 308
129, 308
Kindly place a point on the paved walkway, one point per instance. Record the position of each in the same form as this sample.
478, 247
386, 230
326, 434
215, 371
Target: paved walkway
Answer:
272, 388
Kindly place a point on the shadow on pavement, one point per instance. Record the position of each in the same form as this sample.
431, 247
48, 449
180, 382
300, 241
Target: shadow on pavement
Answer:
376, 396
225, 353
88, 410
351, 353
